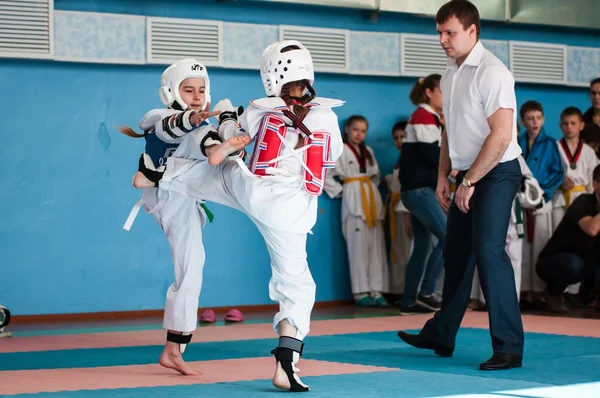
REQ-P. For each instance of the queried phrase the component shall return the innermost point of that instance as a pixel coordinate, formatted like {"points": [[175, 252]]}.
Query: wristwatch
{"points": [[466, 183]]}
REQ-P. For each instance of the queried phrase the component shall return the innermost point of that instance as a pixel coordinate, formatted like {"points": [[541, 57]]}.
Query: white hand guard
{"points": [[228, 111]]}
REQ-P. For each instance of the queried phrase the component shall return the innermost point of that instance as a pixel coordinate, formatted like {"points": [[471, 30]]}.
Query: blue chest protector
{"points": [[159, 150]]}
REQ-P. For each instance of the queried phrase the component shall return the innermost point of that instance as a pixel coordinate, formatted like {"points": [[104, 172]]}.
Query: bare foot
{"points": [[218, 153], [140, 181], [172, 359], [280, 380]]}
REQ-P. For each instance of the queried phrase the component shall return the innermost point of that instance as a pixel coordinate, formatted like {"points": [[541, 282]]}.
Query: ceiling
{"points": [[565, 13]]}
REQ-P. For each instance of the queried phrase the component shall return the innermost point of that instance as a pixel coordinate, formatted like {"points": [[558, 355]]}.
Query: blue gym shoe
{"points": [[366, 301]]}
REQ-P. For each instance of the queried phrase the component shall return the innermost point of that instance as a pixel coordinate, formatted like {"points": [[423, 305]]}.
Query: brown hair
{"points": [[530, 106], [571, 111], [358, 118], [463, 10], [418, 95], [401, 125], [128, 131], [298, 104]]}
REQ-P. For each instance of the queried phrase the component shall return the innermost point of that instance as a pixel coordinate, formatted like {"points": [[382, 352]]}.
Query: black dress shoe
{"points": [[501, 362], [417, 341]]}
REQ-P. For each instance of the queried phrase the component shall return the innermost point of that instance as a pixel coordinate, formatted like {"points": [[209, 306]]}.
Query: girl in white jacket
{"points": [[355, 178]]}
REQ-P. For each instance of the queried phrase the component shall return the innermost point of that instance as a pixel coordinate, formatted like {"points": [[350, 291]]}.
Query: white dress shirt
{"points": [[471, 94]]}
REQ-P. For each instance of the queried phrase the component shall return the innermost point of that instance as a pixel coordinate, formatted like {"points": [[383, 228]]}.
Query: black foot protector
{"points": [[284, 355], [152, 175], [181, 339], [210, 139]]}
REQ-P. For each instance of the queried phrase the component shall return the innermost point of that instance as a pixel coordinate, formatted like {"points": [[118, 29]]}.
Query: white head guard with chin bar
{"points": [[530, 194], [278, 68], [177, 73]]}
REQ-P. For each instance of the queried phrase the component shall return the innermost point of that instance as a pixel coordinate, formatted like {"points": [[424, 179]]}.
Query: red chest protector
{"points": [[317, 158], [269, 146]]}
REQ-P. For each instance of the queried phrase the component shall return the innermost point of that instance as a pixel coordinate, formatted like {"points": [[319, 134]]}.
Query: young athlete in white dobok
{"points": [[356, 179], [579, 161], [297, 138], [185, 90]]}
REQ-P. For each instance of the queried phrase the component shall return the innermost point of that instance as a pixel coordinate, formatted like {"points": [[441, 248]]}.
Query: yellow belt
{"points": [[394, 199], [576, 188], [369, 207]]}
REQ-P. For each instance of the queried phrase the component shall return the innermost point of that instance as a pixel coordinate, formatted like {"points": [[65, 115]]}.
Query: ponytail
{"points": [[418, 94], [128, 131], [298, 104]]}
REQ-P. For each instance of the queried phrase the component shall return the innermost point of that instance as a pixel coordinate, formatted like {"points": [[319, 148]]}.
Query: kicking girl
{"points": [[185, 90], [297, 139]]}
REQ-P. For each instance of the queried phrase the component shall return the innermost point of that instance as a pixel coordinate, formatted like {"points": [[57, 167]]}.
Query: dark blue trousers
{"points": [[479, 237], [560, 270]]}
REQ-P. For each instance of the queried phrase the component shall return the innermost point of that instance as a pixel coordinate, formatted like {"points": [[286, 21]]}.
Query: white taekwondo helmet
{"points": [[175, 74], [278, 68], [531, 194]]}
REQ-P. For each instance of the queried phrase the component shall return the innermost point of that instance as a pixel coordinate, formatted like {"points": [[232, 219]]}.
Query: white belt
{"points": [[133, 214]]}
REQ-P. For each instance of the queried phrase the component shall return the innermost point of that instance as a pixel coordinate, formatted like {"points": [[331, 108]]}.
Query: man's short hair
{"points": [[463, 10]]}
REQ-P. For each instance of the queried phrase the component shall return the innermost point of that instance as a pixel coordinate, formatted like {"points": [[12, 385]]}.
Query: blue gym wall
{"points": [[66, 171]]}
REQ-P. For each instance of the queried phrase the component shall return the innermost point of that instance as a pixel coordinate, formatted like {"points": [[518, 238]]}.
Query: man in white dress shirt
{"points": [[479, 105]]}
